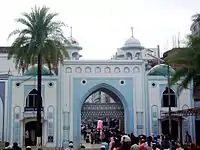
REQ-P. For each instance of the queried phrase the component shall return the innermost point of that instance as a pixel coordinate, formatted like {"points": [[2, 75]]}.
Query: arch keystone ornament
{"points": [[124, 101]]}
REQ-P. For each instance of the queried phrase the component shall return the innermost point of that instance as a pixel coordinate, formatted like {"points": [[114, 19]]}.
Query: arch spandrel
{"points": [[123, 92]]}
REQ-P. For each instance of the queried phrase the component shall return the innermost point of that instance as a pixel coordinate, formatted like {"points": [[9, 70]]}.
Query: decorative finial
{"points": [[70, 31], [131, 31]]}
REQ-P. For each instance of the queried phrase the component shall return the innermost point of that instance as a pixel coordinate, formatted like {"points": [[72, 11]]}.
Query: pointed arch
{"points": [[32, 99], [165, 98]]}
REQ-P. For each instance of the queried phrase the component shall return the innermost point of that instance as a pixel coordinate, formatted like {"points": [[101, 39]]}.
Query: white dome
{"points": [[132, 42], [73, 41]]}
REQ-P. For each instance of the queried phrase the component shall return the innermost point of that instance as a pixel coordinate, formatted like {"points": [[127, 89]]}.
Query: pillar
{"points": [[181, 129]]}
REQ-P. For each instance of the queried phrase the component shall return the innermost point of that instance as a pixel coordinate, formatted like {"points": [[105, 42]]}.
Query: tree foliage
{"points": [[188, 60], [40, 34]]}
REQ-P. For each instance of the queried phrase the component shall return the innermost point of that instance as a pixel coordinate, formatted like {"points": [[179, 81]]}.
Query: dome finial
{"points": [[131, 31], [71, 32]]}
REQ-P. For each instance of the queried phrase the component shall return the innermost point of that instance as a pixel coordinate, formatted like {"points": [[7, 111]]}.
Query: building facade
{"points": [[138, 97]]}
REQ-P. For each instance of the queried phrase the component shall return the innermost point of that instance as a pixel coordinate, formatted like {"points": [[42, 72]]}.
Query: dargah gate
{"points": [[114, 78], [125, 93]]}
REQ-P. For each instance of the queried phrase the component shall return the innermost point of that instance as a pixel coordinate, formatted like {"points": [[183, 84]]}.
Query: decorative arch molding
{"points": [[103, 87], [185, 106], [126, 70], [97, 69], [154, 115], [96, 85], [17, 110], [88, 69], [68, 70], [78, 69], [107, 70], [29, 88], [117, 70], [186, 122], [32, 98], [163, 88], [136, 69], [16, 124], [51, 124]]}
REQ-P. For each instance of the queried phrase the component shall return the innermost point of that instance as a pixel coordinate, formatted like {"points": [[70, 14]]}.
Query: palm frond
{"points": [[40, 35]]}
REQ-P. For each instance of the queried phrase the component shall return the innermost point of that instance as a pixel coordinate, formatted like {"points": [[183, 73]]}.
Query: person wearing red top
{"points": [[142, 146]]}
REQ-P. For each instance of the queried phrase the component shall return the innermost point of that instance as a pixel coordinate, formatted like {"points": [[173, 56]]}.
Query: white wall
{"points": [[6, 65], [50, 98], [1, 118], [155, 98]]}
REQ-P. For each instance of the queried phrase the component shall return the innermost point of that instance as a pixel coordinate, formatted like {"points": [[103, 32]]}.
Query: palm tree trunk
{"points": [[39, 103]]}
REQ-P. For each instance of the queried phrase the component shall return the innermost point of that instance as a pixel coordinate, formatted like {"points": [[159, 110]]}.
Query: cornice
{"points": [[103, 62]]}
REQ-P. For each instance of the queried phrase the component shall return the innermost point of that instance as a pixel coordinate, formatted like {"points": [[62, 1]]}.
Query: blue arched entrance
{"points": [[84, 89], [105, 105]]}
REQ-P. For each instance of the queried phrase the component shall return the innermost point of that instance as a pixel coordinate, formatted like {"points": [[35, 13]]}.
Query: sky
{"points": [[102, 26]]}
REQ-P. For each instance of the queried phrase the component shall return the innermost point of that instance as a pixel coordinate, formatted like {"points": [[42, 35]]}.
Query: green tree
{"points": [[196, 17], [40, 36], [40, 41], [188, 60]]}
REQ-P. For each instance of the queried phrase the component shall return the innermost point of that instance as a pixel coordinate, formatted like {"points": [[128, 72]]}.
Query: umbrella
{"points": [[125, 138]]}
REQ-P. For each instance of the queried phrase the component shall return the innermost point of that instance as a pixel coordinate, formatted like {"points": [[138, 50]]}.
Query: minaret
{"points": [[132, 48], [73, 47]]}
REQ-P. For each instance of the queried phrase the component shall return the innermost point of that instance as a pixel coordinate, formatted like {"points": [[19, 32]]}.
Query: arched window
{"points": [[32, 99], [75, 56], [165, 98], [138, 55], [129, 56]]}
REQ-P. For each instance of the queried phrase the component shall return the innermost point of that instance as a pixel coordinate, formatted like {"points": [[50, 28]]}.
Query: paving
{"points": [[92, 146]]}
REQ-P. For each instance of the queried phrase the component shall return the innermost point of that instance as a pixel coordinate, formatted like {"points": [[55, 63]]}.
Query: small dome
{"points": [[161, 70], [132, 43], [73, 43], [33, 70]]}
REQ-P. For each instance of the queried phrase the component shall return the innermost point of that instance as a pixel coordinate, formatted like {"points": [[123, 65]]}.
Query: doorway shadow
{"points": [[30, 133]]}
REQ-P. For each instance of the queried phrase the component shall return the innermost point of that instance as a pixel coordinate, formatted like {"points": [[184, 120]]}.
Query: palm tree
{"points": [[41, 41], [188, 60], [41, 36]]}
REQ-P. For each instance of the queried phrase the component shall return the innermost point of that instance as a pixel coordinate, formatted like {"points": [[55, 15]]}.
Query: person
{"points": [[154, 147], [16, 147], [105, 144], [27, 138], [111, 144], [135, 147], [103, 147], [7, 146], [28, 148], [179, 147], [149, 145], [188, 138]]}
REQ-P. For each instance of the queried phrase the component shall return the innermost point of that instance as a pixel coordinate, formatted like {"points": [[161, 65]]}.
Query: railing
{"points": [[32, 112], [32, 109]]}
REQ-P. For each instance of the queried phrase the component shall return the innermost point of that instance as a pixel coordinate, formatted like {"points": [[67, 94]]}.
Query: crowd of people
{"points": [[118, 141], [9, 147]]}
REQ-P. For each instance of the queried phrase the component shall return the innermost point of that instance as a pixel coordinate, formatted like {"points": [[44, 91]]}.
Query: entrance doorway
{"points": [[102, 105], [30, 133], [165, 129], [197, 129]]}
